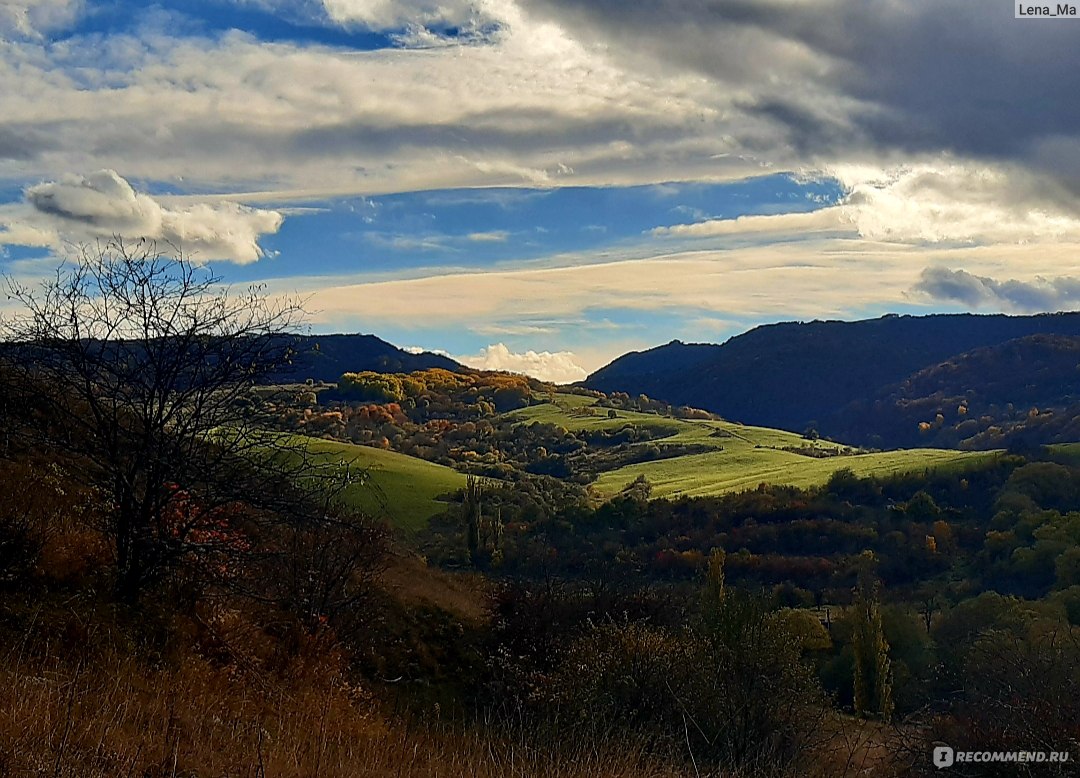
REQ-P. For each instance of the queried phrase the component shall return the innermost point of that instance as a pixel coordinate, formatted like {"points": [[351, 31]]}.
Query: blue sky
{"points": [[541, 185], [410, 232]]}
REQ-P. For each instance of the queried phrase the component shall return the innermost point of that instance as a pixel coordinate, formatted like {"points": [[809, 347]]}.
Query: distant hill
{"points": [[1022, 391], [326, 357], [794, 375]]}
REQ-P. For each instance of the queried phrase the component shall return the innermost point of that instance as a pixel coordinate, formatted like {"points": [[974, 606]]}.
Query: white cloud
{"points": [[953, 202], [397, 14], [823, 220], [817, 278], [557, 367], [77, 209], [494, 236], [930, 202], [101, 199], [422, 350], [31, 18]]}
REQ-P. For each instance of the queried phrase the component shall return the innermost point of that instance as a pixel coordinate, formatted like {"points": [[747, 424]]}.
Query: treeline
{"points": [[1010, 525]]}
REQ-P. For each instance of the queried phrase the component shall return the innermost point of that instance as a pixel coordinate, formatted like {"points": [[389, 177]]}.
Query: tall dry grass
{"points": [[114, 715]]}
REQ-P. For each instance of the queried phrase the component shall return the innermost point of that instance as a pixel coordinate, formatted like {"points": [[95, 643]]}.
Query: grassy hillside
{"points": [[731, 471], [405, 489], [742, 456]]}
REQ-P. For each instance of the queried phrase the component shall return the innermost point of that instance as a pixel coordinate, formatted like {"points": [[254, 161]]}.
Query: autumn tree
{"points": [[136, 365]]}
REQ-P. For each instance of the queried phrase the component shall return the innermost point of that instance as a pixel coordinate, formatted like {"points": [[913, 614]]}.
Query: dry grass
{"points": [[79, 700], [410, 581], [113, 715]]}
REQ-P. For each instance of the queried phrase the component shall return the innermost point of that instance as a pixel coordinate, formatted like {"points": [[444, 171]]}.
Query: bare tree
{"points": [[139, 365]]}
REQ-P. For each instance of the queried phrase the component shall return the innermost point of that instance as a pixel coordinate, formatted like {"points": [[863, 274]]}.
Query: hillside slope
{"points": [[792, 375], [326, 357], [730, 457], [1023, 391], [405, 490]]}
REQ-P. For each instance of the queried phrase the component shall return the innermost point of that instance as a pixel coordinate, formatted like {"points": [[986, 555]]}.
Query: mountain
{"points": [[1025, 390], [794, 375], [326, 357]]}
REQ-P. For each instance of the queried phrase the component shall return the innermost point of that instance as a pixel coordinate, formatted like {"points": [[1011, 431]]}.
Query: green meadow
{"points": [[741, 457], [406, 490]]}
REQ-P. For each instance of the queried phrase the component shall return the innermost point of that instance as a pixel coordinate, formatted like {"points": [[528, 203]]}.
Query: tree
{"points": [[323, 572], [873, 674], [761, 703], [714, 580], [137, 365], [473, 511]]}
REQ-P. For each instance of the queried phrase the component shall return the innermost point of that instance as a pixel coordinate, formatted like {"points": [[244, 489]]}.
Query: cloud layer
{"points": [[843, 76], [427, 14], [932, 202], [568, 92], [33, 18]]}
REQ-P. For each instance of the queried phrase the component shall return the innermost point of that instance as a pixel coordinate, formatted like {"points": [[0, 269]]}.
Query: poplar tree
{"points": [[873, 673]]}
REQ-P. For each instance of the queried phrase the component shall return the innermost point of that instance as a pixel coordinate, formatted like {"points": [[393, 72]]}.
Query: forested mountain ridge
{"points": [[326, 357], [794, 375], [1022, 391]]}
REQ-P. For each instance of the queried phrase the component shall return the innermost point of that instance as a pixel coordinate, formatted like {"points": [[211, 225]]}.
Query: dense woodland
{"points": [[1021, 392], [186, 592]]}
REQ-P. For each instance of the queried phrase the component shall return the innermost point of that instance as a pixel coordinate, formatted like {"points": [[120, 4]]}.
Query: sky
{"points": [[542, 185]]}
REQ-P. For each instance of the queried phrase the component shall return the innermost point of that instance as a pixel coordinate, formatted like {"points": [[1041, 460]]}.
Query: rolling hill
{"points": [[406, 490], [738, 457], [794, 374]]}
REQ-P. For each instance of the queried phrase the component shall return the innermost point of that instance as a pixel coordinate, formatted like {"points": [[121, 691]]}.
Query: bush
{"points": [[733, 691]]}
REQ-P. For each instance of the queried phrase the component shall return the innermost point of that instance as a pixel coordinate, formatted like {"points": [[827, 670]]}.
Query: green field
{"points": [[404, 489], [1066, 453], [743, 456]]}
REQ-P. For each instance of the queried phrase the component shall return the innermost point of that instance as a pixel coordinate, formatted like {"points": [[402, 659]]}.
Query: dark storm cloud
{"points": [[910, 75], [960, 286]]}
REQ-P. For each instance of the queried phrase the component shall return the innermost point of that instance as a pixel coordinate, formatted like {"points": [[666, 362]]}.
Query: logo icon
{"points": [[943, 757]]}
